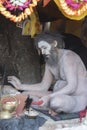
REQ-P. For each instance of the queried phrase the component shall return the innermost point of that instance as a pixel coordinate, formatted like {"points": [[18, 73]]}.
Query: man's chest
{"points": [[58, 72]]}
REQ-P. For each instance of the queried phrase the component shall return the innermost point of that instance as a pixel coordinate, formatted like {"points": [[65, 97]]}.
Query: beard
{"points": [[51, 59]]}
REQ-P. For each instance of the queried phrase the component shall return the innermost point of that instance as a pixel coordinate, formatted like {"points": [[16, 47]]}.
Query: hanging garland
{"points": [[73, 9], [16, 4], [7, 7]]}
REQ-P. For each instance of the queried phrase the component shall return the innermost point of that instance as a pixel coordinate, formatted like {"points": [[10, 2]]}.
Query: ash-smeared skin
{"points": [[66, 67]]}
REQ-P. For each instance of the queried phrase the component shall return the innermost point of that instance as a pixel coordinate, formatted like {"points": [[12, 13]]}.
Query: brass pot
{"points": [[9, 106], [5, 115]]}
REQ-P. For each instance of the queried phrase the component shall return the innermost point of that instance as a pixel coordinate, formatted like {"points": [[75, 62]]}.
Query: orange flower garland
{"points": [[24, 14], [70, 11]]}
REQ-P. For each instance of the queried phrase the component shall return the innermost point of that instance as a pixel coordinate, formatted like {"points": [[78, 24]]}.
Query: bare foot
{"points": [[53, 113]]}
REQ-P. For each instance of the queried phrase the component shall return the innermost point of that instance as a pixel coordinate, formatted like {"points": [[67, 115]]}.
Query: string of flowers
{"points": [[75, 4], [16, 4], [73, 9], [25, 7]]}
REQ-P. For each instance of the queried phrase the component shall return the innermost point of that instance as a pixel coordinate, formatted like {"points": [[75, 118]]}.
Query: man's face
{"points": [[45, 48], [49, 52]]}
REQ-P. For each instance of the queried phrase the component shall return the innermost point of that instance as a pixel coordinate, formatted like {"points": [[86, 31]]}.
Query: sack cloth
{"points": [[21, 123]]}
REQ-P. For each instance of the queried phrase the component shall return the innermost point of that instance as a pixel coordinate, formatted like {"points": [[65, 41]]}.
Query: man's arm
{"points": [[42, 86], [59, 85]]}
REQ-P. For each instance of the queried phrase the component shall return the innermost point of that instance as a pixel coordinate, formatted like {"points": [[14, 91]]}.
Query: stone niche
{"points": [[18, 54]]}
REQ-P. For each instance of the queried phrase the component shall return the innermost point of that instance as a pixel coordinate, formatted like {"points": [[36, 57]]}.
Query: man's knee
{"points": [[62, 103], [56, 103]]}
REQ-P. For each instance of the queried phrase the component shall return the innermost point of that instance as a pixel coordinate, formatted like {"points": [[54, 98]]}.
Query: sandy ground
{"points": [[65, 125]]}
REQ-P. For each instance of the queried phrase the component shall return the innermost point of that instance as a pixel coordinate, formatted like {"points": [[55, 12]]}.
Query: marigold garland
{"points": [[24, 14], [73, 9], [16, 4]]}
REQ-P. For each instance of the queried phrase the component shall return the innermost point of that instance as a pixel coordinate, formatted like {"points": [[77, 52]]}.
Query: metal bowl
{"points": [[31, 113], [5, 115], [9, 106]]}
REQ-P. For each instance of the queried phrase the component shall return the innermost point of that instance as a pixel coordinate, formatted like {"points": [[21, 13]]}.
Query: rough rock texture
{"points": [[18, 55]]}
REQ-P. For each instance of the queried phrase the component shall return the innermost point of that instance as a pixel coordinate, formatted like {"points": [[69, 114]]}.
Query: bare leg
{"points": [[36, 93], [68, 104]]}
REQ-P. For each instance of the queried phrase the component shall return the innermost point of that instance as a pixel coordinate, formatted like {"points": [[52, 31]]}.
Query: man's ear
{"points": [[55, 43]]}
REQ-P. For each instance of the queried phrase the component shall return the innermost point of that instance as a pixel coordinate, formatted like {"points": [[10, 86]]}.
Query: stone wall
{"points": [[18, 55]]}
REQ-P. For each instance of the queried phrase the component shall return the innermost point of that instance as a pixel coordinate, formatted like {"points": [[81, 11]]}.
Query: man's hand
{"points": [[15, 82]]}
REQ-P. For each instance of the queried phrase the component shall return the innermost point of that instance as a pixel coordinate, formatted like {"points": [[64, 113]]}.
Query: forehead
{"points": [[44, 44]]}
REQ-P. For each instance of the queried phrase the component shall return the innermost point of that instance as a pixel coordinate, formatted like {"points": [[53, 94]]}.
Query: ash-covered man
{"points": [[66, 67]]}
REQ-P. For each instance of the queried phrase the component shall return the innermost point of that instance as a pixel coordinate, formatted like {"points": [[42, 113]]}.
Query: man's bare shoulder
{"points": [[69, 56], [68, 53]]}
